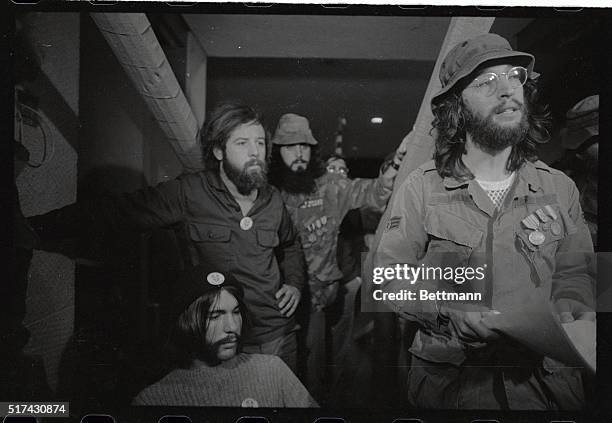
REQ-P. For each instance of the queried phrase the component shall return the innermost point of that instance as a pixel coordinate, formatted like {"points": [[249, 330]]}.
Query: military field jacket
{"points": [[317, 218], [445, 222]]}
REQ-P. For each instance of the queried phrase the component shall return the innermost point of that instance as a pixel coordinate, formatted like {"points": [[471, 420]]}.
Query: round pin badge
{"points": [[555, 228], [249, 403], [537, 238], [246, 223], [215, 278]]}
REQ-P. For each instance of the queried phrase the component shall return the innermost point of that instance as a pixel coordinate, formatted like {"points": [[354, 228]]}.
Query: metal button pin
{"points": [[537, 238], [555, 228], [246, 223]]}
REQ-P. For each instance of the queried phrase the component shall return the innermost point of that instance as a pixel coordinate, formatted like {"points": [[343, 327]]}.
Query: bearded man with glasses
{"points": [[486, 202]]}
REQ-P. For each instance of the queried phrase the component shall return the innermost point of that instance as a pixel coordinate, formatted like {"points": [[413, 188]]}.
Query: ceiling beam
{"points": [[135, 45]]}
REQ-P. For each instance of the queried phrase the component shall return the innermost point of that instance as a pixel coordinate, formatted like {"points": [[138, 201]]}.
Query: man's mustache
{"points": [[299, 161], [514, 103], [255, 162], [230, 339]]}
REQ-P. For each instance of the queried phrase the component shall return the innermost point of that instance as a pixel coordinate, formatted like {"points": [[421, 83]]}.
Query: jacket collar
{"points": [[527, 173], [214, 179]]}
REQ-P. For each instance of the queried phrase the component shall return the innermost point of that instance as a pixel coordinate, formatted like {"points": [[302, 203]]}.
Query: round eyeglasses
{"points": [[487, 82], [340, 170]]}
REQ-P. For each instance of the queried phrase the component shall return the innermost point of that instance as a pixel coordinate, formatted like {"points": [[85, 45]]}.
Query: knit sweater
{"points": [[247, 380]]}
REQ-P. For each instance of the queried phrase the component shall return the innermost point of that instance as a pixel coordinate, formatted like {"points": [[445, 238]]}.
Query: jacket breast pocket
{"points": [[452, 242], [449, 233], [267, 238], [212, 242]]}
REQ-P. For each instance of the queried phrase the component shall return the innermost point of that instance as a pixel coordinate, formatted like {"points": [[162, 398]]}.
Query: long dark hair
{"points": [[449, 126], [281, 176], [223, 119], [189, 335]]}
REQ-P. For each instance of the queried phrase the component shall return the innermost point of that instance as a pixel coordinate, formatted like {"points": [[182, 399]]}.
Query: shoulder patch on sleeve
{"points": [[393, 223]]}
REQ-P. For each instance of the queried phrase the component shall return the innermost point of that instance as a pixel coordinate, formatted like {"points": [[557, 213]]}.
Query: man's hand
{"points": [[569, 310], [390, 168], [403, 147], [288, 299], [468, 325]]}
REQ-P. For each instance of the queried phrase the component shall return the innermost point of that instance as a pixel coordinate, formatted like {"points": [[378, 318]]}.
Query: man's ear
{"points": [[218, 153]]}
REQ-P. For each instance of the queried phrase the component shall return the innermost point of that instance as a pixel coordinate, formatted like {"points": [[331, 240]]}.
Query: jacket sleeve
{"points": [[289, 252], [356, 193], [404, 241], [575, 261], [144, 209]]}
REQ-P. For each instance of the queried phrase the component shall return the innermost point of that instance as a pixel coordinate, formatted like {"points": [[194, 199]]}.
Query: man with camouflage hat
{"points": [[317, 202], [486, 200]]}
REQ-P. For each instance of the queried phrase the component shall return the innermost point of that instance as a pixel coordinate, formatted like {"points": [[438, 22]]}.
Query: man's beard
{"points": [[491, 137], [301, 181], [246, 180]]}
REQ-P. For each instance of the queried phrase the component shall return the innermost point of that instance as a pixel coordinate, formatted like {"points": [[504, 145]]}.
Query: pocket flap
{"points": [[203, 232], [449, 226]]}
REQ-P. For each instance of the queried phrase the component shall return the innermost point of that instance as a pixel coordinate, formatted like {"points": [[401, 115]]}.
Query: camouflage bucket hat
{"points": [[465, 57], [293, 129]]}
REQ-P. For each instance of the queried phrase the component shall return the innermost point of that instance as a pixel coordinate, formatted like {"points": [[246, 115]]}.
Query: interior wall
{"points": [[195, 85], [123, 148], [54, 37], [96, 131]]}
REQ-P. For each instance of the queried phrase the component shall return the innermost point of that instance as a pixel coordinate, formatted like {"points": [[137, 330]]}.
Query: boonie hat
{"points": [[465, 57], [582, 122], [293, 129]]}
